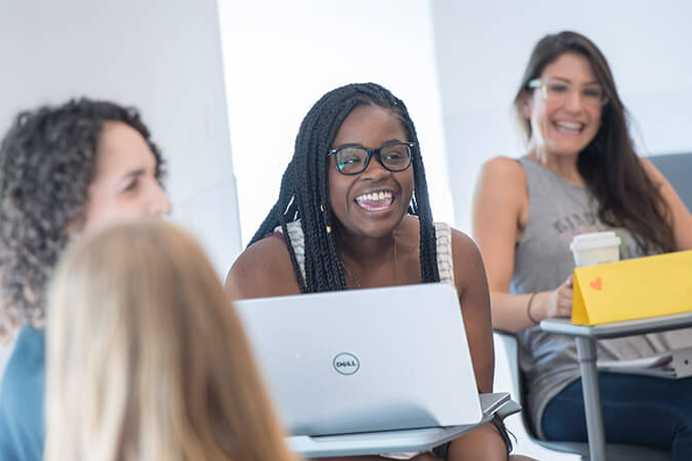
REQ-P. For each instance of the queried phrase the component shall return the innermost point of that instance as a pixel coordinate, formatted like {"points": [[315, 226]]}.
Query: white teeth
{"points": [[572, 126], [375, 196]]}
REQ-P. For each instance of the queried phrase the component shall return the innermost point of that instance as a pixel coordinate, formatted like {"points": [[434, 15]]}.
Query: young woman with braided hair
{"points": [[353, 212]]}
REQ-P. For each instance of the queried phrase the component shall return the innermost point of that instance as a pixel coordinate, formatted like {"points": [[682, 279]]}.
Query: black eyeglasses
{"points": [[353, 159]]}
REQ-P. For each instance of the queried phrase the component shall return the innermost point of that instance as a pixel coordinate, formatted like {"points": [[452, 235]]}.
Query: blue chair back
{"points": [[677, 168]]}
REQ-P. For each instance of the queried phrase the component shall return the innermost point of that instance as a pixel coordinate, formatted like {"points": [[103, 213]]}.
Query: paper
{"points": [[673, 365], [633, 289], [655, 361]]}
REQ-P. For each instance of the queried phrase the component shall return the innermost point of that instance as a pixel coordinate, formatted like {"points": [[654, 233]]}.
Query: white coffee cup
{"points": [[595, 248]]}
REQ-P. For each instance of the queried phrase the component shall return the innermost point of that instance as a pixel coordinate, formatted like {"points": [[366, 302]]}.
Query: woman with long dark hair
{"points": [[580, 174]]}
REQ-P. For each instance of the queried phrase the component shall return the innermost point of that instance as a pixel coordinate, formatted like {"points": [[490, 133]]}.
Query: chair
{"points": [[677, 168], [614, 452]]}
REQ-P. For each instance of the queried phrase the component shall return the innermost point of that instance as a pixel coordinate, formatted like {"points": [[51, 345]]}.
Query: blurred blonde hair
{"points": [[146, 357]]}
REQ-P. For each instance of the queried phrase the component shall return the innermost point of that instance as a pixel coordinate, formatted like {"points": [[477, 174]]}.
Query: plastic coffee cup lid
{"points": [[594, 240]]}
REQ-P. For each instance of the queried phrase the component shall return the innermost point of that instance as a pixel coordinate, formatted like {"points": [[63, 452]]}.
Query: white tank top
{"points": [[443, 235]]}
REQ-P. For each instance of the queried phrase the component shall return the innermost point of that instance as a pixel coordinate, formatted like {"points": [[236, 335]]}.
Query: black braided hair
{"points": [[304, 192]]}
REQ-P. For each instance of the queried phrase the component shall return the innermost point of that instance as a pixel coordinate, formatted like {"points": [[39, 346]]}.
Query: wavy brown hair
{"points": [[612, 170], [147, 359], [47, 161]]}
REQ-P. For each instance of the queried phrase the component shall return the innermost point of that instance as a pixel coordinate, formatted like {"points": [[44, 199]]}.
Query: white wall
{"points": [[482, 48], [163, 56], [282, 56]]}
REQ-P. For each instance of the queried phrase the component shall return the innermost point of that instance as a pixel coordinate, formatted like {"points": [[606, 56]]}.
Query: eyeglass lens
{"points": [[557, 91], [354, 159]]}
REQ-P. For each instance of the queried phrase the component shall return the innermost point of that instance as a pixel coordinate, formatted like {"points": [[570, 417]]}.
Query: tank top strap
{"points": [[445, 260], [297, 240]]}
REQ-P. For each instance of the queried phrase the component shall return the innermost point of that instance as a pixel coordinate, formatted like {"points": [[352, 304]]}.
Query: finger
{"points": [[560, 311], [565, 303], [565, 293], [564, 307]]}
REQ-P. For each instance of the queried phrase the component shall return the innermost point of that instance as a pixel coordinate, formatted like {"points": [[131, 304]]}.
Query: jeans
{"points": [[637, 410]]}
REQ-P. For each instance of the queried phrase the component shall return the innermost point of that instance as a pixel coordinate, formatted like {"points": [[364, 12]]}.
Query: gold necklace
{"points": [[352, 276]]}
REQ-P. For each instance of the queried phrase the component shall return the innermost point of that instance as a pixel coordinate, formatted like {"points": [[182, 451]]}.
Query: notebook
{"points": [[674, 364], [369, 370]]}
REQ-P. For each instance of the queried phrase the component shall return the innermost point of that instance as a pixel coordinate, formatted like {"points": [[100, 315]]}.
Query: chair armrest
{"points": [[509, 408], [502, 332]]}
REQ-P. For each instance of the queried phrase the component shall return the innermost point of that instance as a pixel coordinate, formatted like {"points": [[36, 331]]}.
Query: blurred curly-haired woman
{"points": [[64, 170]]}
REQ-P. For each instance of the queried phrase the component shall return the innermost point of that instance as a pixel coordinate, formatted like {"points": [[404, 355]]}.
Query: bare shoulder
{"points": [[469, 272], [264, 269], [501, 178], [501, 186], [465, 251], [668, 193], [651, 171], [503, 167]]}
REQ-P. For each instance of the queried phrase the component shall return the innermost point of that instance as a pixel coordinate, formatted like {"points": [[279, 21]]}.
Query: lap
{"points": [[639, 410]]}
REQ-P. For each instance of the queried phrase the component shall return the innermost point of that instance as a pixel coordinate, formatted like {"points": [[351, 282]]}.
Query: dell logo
{"points": [[346, 364]]}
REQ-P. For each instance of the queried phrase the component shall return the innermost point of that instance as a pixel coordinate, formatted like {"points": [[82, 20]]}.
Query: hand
{"points": [[559, 301]]}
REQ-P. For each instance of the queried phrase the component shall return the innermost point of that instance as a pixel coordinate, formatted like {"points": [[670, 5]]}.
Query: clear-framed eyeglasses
{"points": [[353, 159], [557, 91]]}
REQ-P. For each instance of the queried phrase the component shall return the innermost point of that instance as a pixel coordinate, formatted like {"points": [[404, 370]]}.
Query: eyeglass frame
{"points": [[539, 83], [377, 153]]}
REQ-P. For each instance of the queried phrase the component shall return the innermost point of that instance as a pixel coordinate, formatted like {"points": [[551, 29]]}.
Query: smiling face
{"points": [[372, 203], [125, 185], [567, 124]]}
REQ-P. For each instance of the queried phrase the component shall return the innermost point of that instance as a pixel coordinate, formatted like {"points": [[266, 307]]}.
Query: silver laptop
{"points": [[366, 363]]}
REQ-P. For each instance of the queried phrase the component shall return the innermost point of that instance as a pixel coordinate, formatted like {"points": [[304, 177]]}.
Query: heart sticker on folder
{"points": [[596, 284]]}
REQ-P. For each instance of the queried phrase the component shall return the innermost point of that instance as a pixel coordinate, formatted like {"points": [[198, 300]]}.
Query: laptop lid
{"points": [[365, 360]]}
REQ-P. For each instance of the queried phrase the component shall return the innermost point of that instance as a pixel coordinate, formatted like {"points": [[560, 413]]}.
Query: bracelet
{"points": [[528, 309]]}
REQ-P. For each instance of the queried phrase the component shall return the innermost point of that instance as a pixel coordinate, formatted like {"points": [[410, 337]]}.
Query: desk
{"points": [[397, 441], [586, 337]]}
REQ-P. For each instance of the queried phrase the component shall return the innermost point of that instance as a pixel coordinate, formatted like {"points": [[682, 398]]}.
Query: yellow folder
{"points": [[633, 289]]}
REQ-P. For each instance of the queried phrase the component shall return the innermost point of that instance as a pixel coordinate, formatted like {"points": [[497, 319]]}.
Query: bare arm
{"points": [[500, 209], [498, 204], [482, 443], [262, 270], [680, 217], [472, 287]]}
